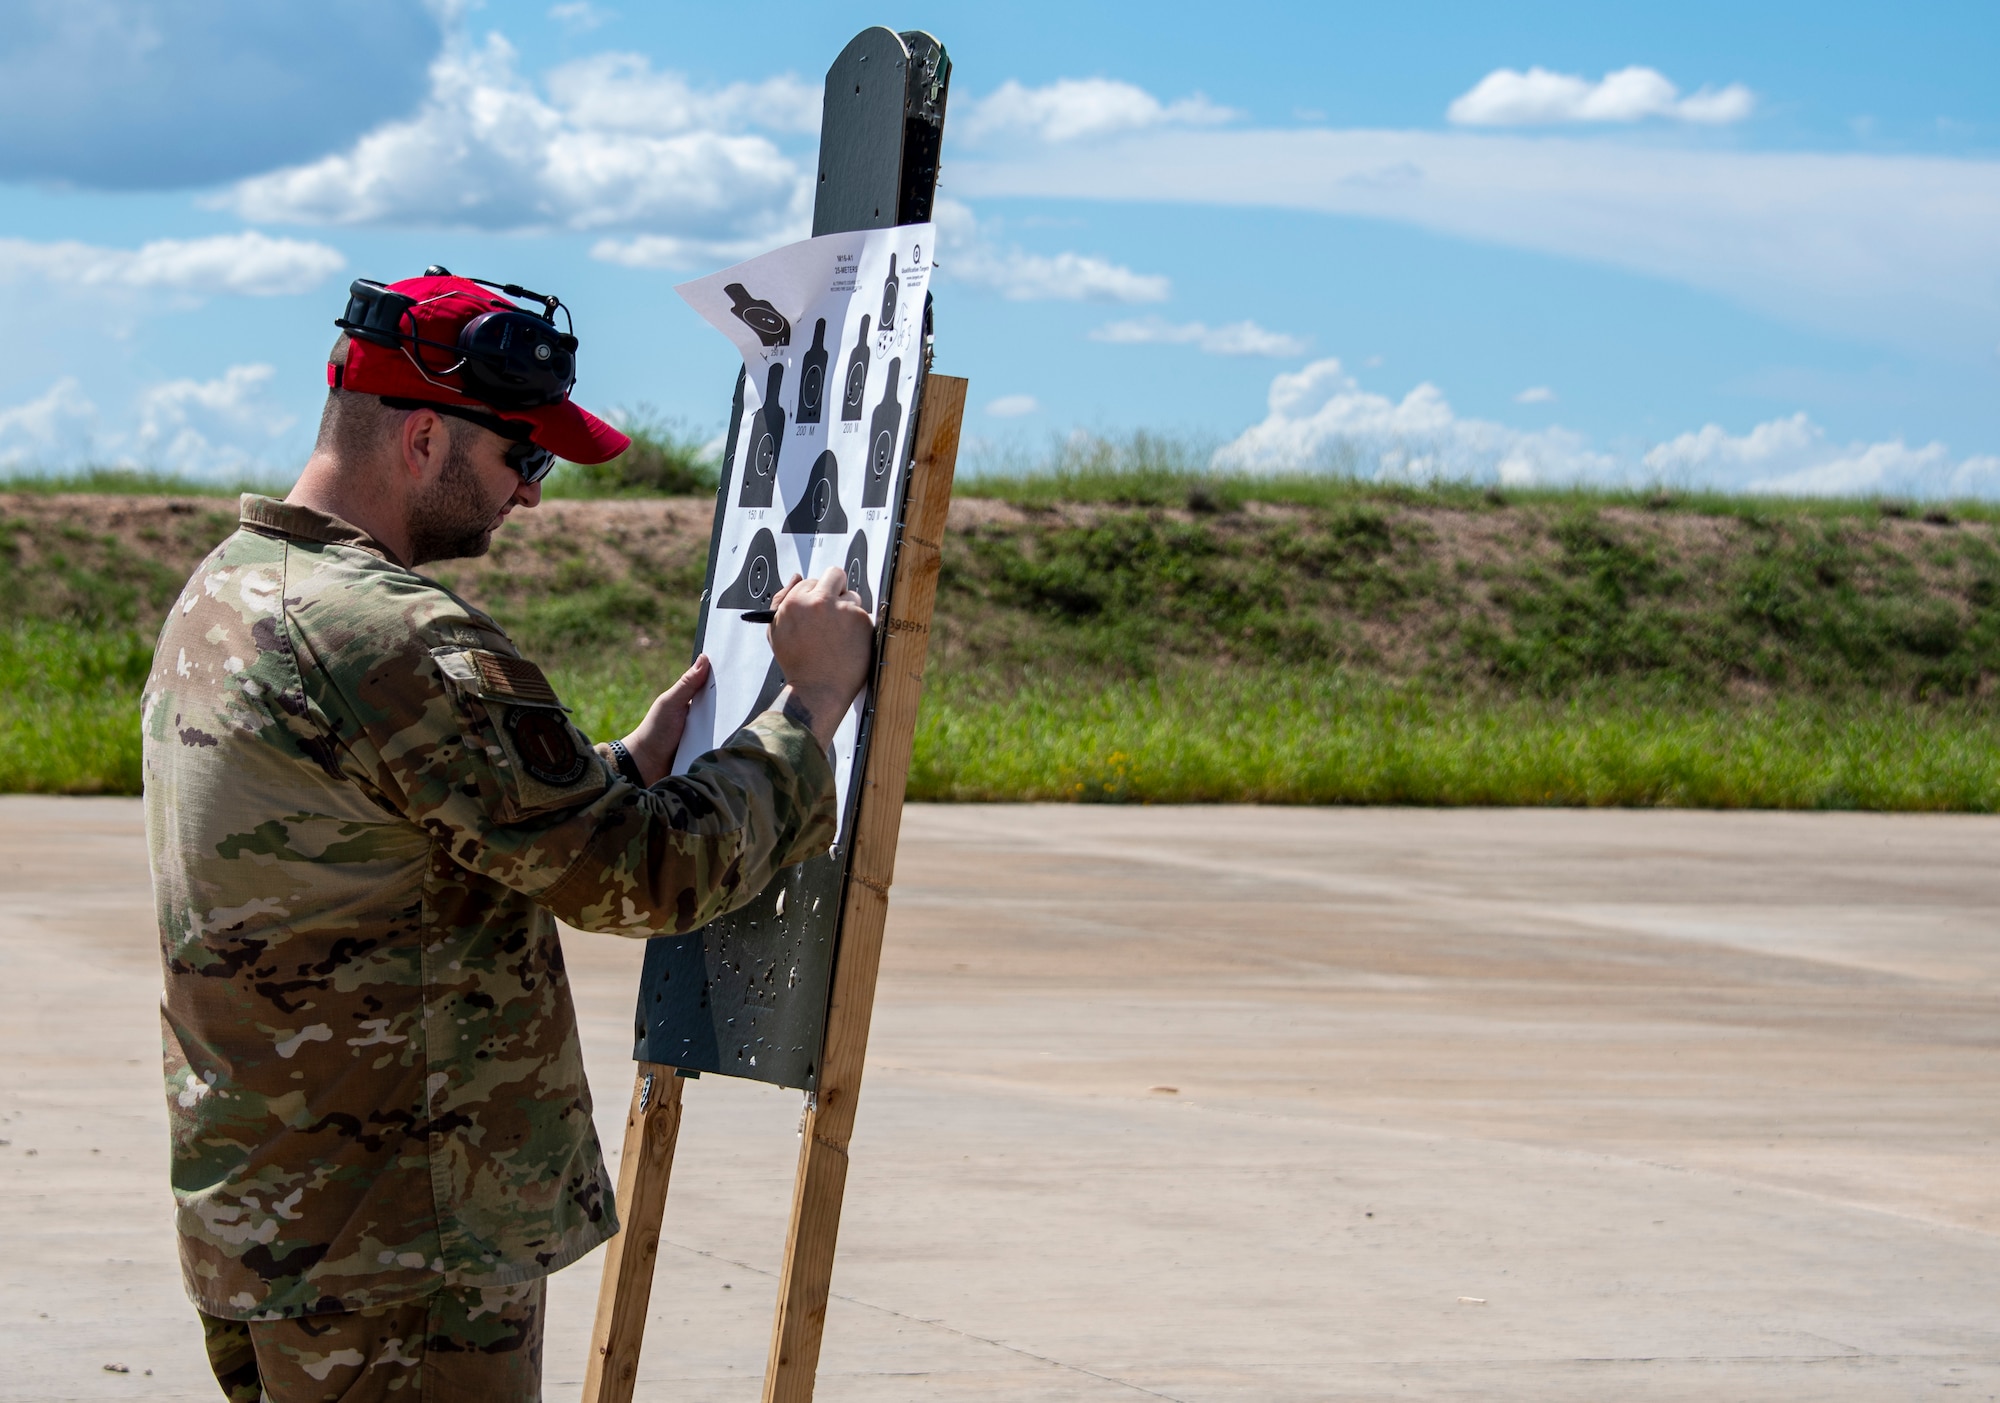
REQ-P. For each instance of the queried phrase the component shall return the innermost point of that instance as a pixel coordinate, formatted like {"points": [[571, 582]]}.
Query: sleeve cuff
{"points": [[783, 735], [619, 761]]}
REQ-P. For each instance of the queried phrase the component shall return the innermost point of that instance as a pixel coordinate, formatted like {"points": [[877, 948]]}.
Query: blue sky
{"points": [[1747, 246]]}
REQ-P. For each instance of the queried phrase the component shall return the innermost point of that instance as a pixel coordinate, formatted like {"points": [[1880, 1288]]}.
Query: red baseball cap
{"points": [[443, 305]]}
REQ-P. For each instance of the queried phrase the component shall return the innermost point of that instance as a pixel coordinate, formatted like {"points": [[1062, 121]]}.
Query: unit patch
{"points": [[542, 738]]}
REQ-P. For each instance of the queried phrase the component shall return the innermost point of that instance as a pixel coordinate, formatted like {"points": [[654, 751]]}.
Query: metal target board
{"points": [[807, 484]]}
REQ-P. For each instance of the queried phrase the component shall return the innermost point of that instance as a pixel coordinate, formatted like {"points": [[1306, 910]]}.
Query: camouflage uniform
{"points": [[365, 809], [457, 1345]]}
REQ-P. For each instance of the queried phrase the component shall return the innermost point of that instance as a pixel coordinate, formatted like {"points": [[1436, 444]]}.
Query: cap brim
{"points": [[573, 432]]}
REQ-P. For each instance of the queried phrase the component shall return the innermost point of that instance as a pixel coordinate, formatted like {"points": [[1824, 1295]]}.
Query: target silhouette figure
{"points": [[767, 432], [889, 288], [856, 566], [760, 316], [882, 431], [774, 683], [819, 511], [812, 377], [857, 378], [757, 581]]}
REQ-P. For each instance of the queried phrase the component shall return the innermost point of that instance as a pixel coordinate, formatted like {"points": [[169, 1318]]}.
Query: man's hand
{"points": [[659, 735], [823, 640]]}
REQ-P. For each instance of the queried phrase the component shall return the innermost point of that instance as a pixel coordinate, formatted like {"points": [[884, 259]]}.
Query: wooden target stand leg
{"points": [[651, 1128], [807, 1276], [805, 1281]]}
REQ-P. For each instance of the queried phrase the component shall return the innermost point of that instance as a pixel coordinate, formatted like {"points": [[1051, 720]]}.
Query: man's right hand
{"points": [[823, 640]]}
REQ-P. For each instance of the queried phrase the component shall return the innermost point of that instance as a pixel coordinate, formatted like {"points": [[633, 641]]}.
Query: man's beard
{"points": [[452, 521]]}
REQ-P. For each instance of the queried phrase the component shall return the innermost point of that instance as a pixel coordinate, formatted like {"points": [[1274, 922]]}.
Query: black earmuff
{"points": [[374, 313], [516, 360], [509, 358]]}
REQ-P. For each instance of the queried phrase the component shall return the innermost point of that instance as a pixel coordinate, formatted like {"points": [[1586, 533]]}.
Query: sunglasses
{"points": [[526, 457]]}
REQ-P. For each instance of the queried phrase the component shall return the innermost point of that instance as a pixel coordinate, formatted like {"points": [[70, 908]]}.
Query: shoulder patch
{"points": [[498, 676], [542, 739]]}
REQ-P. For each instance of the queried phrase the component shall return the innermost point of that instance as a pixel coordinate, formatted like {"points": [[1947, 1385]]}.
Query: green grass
{"points": [[127, 482], [1303, 737], [69, 725], [69, 708], [1541, 599], [1293, 738], [1124, 639], [666, 459]]}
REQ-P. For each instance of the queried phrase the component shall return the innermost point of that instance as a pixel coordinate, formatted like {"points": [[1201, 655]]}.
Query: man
{"points": [[365, 811]]}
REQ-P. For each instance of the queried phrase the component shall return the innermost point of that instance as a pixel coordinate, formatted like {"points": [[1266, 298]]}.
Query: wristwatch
{"points": [[627, 766]]}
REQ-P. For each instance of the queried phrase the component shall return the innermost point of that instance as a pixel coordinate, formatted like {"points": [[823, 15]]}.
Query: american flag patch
{"points": [[514, 678]]}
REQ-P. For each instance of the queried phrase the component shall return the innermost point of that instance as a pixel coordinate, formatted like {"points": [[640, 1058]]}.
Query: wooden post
{"points": [[807, 1275], [651, 1127]]}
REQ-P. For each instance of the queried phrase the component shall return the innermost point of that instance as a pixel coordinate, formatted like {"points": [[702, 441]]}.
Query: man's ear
{"points": [[426, 442]]}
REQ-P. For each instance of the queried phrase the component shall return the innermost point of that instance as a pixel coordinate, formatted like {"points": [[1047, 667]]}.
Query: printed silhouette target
{"points": [[757, 581], [889, 286], [882, 431], [760, 316], [819, 511], [857, 377], [812, 377], [760, 479], [774, 683], [856, 566]]}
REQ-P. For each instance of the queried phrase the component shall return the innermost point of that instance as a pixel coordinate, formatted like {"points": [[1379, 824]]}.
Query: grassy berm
{"points": [[1170, 637]]}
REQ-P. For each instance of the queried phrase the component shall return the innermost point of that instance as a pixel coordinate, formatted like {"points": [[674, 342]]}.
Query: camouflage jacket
{"points": [[365, 811]]}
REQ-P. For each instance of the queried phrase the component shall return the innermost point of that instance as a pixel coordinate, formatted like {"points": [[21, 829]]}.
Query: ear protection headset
{"points": [[510, 359]]}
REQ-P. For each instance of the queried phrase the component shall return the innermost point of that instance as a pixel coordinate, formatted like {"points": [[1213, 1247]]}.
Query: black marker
{"points": [[760, 616]]}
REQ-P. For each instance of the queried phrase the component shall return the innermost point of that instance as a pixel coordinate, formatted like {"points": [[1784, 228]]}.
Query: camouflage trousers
{"points": [[458, 1345]]}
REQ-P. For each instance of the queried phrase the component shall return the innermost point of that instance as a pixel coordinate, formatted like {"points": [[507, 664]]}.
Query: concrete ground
{"points": [[1221, 1105]]}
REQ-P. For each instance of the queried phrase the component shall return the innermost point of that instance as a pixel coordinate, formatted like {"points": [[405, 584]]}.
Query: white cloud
{"points": [[1536, 394], [1071, 109], [1505, 98], [1013, 406], [1895, 249], [614, 146], [1320, 419], [54, 429], [1062, 277], [223, 428], [967, 253], [249, 263], [579, 16], [1794, 456], [209, 428], [666, 251], [619, 92], [1244, 338]]}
